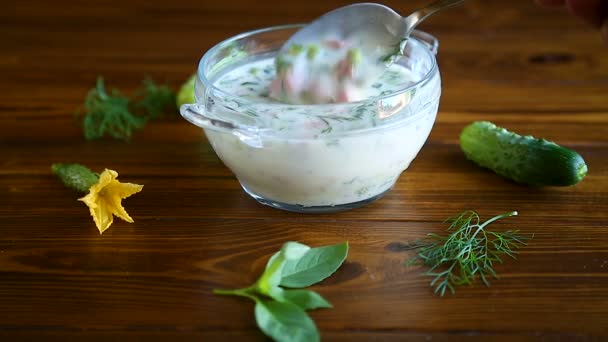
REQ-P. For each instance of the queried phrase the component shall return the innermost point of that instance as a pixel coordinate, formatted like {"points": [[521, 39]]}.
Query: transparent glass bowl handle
{"points": [[197, 115], [431, 42]]}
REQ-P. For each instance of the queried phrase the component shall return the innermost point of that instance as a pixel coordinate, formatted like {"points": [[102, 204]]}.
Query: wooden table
{"points": [[534, 71]]}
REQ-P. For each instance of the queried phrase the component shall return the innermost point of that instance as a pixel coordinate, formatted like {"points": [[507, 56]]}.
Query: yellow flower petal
{"points": [[102, 215], [105, 178], [104, 199], [117, 209], [123, 190]]}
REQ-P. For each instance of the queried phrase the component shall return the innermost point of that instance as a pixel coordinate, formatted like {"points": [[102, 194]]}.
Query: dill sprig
{"points": [[468, 251], [116, 115], [108, 113], [154, 98]]}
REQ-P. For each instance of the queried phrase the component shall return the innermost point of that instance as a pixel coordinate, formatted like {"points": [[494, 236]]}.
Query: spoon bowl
{"points": [[381, 32]]}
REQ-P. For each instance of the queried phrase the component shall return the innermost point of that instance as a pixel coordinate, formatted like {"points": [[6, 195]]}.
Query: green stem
{"points": [[101, 90], [244, 292], [495, 218]]}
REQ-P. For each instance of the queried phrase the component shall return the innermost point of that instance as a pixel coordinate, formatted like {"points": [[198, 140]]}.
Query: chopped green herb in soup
{"points": [[320, 155], [254, 81]]}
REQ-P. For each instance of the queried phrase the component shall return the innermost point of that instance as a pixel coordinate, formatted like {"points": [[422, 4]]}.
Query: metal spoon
{"points": [[380, 28]]}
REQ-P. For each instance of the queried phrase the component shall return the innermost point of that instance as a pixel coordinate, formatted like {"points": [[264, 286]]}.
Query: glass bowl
{"points": [[321, 157]]}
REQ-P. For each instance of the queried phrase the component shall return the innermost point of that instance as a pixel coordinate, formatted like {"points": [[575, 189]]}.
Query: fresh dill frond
{"points": [[119, 116], [109, 114], [470, 250], [154, 98]]}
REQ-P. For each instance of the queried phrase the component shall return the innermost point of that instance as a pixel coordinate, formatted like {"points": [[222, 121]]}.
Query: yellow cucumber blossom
{"points": [[104, 199], [105, 192]]}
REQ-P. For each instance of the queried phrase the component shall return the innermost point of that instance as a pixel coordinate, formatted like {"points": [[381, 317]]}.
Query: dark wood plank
{"points": [[195, 186], [331, 335], [572, 128], [160, 272], [503, 73]]}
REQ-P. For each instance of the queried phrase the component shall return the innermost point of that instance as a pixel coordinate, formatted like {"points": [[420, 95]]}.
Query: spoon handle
{"points": [[417, 17]]}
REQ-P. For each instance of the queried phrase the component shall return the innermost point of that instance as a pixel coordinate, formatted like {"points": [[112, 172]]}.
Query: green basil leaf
{"points": [[305, 299], [273, 273], [314, 266], [294, 250], [272, 259], [285, 322]]}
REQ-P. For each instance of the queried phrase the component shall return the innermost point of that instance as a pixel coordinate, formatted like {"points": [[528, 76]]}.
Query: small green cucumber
{"points": [[524, 159], [75, 176]]}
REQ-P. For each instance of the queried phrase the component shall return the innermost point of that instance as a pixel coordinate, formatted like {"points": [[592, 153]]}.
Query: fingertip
{"points": [[588, 10]]}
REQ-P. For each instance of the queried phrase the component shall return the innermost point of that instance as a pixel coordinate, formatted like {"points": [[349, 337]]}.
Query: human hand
{"points": [[594, 12]]}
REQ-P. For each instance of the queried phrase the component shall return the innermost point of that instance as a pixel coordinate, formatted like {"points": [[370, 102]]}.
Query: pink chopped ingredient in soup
{"points": [[329, 73]]}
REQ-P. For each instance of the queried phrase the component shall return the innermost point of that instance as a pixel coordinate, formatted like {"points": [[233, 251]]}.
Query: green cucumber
{"points": [[75, 176], [524, 159]]}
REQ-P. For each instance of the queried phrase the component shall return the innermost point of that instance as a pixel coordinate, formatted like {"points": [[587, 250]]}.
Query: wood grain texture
{"points": [[534, 71]]}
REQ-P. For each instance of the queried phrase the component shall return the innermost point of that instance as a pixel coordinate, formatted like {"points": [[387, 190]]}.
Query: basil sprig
{"points": [[280, 312]]}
